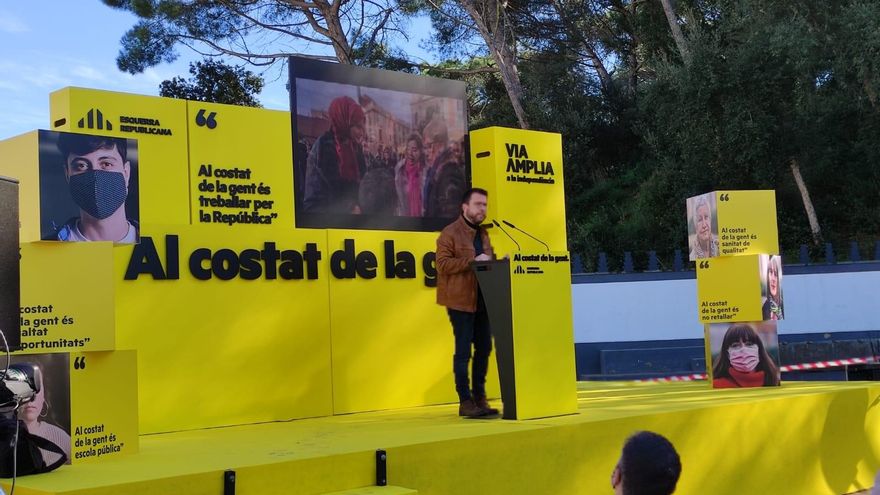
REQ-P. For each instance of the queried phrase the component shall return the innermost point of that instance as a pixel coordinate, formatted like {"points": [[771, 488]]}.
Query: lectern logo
{"points": [[94, 119], [529, 270]]}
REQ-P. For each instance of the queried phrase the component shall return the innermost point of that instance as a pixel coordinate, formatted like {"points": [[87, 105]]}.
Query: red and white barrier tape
{"points": [[819, 365], [828, 364]]}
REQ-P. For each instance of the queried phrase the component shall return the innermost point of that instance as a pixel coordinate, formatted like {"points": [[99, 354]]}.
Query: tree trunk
{"points": [[677, 35], [333, 29], [872, 95], [503, 51], [808, 203], [595, 60]]}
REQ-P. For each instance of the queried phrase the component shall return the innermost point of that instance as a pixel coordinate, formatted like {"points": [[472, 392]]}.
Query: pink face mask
{"points": [[744, 358]]}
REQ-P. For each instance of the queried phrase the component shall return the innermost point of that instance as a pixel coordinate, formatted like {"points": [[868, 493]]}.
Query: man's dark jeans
{"points": [[470, 329]]}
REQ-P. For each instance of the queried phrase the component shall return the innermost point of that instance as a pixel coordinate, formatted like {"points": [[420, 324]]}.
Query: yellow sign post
{"points": [[733, 240], [522, 170], [529, 298]]}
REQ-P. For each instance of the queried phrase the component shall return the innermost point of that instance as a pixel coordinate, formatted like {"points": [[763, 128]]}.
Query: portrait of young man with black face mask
{"points": [[98, 175]]}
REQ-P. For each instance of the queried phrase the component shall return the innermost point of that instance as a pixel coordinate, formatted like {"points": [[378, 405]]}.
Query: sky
{"points": [[46, 45]]}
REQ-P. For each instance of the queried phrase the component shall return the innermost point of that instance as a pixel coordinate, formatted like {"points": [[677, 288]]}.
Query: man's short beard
{"points": [[473, 220]]}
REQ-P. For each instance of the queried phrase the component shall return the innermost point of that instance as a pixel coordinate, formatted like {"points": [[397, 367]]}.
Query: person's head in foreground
{"points": [[648, 465]]}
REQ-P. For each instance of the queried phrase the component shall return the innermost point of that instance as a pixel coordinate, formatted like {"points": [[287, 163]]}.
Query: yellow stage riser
{"points": [[799, 439], [819, 457]]}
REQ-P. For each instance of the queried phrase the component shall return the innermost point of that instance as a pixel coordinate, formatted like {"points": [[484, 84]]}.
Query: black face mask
{"points": [[98, 193]]}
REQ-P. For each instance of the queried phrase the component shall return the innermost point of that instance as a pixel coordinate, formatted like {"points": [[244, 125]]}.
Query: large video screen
{"points": [[376, 149]]}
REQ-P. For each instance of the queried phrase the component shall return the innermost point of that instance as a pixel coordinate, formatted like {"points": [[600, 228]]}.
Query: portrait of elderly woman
{"points": [[702, 226]]}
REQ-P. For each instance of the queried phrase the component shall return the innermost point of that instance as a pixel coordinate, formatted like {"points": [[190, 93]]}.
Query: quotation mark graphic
{"points": [[724, 197], [704, 264], [201, 121], [79, 363]]}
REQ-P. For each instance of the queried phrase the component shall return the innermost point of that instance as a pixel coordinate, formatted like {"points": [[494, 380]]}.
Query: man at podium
{"points": [[460, 243]]}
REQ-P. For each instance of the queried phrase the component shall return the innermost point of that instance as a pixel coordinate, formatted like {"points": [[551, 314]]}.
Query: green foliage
{"points": [[215, 82], [768, 84], [163, 24]]}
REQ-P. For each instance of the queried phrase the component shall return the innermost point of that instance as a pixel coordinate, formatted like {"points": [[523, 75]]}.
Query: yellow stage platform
{"points": [[800, 439]]}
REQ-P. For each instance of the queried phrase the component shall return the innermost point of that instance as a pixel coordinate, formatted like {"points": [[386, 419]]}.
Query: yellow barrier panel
{"points": [[67, 297], [240, 165], [747, 222], [392, 344], [729, 289], [236, 324], [103, 405]]}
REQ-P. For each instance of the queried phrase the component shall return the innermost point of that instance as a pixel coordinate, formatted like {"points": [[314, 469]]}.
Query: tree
{"points": [[656, 100], [214, 81], [771, 102], [476, 28], [675, 29], [259, 32]]}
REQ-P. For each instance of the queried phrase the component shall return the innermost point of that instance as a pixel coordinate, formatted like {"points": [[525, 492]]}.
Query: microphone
{"points": [[505, 233], [526, 233]]}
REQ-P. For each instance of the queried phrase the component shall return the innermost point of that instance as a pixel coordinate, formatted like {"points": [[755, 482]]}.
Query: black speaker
{"points": [[10, 291]]}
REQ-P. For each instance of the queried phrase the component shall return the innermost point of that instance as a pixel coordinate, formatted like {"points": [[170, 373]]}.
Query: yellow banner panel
{"points": [[160, 127], [238, 325], [67, 297], [543, 335], [732, 223], [729, 289], [747, 223], [522, 170], [19, 159], [392, 344], [240, 166], [103, 405]]}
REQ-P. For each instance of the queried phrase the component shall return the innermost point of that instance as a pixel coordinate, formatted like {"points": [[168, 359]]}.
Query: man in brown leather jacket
{"points": [[460, 243]]}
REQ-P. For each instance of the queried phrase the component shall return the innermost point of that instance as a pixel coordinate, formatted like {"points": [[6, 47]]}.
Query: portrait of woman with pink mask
{"points": [[772, 308], [743, 360], [34, 415], [704, 240]]}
